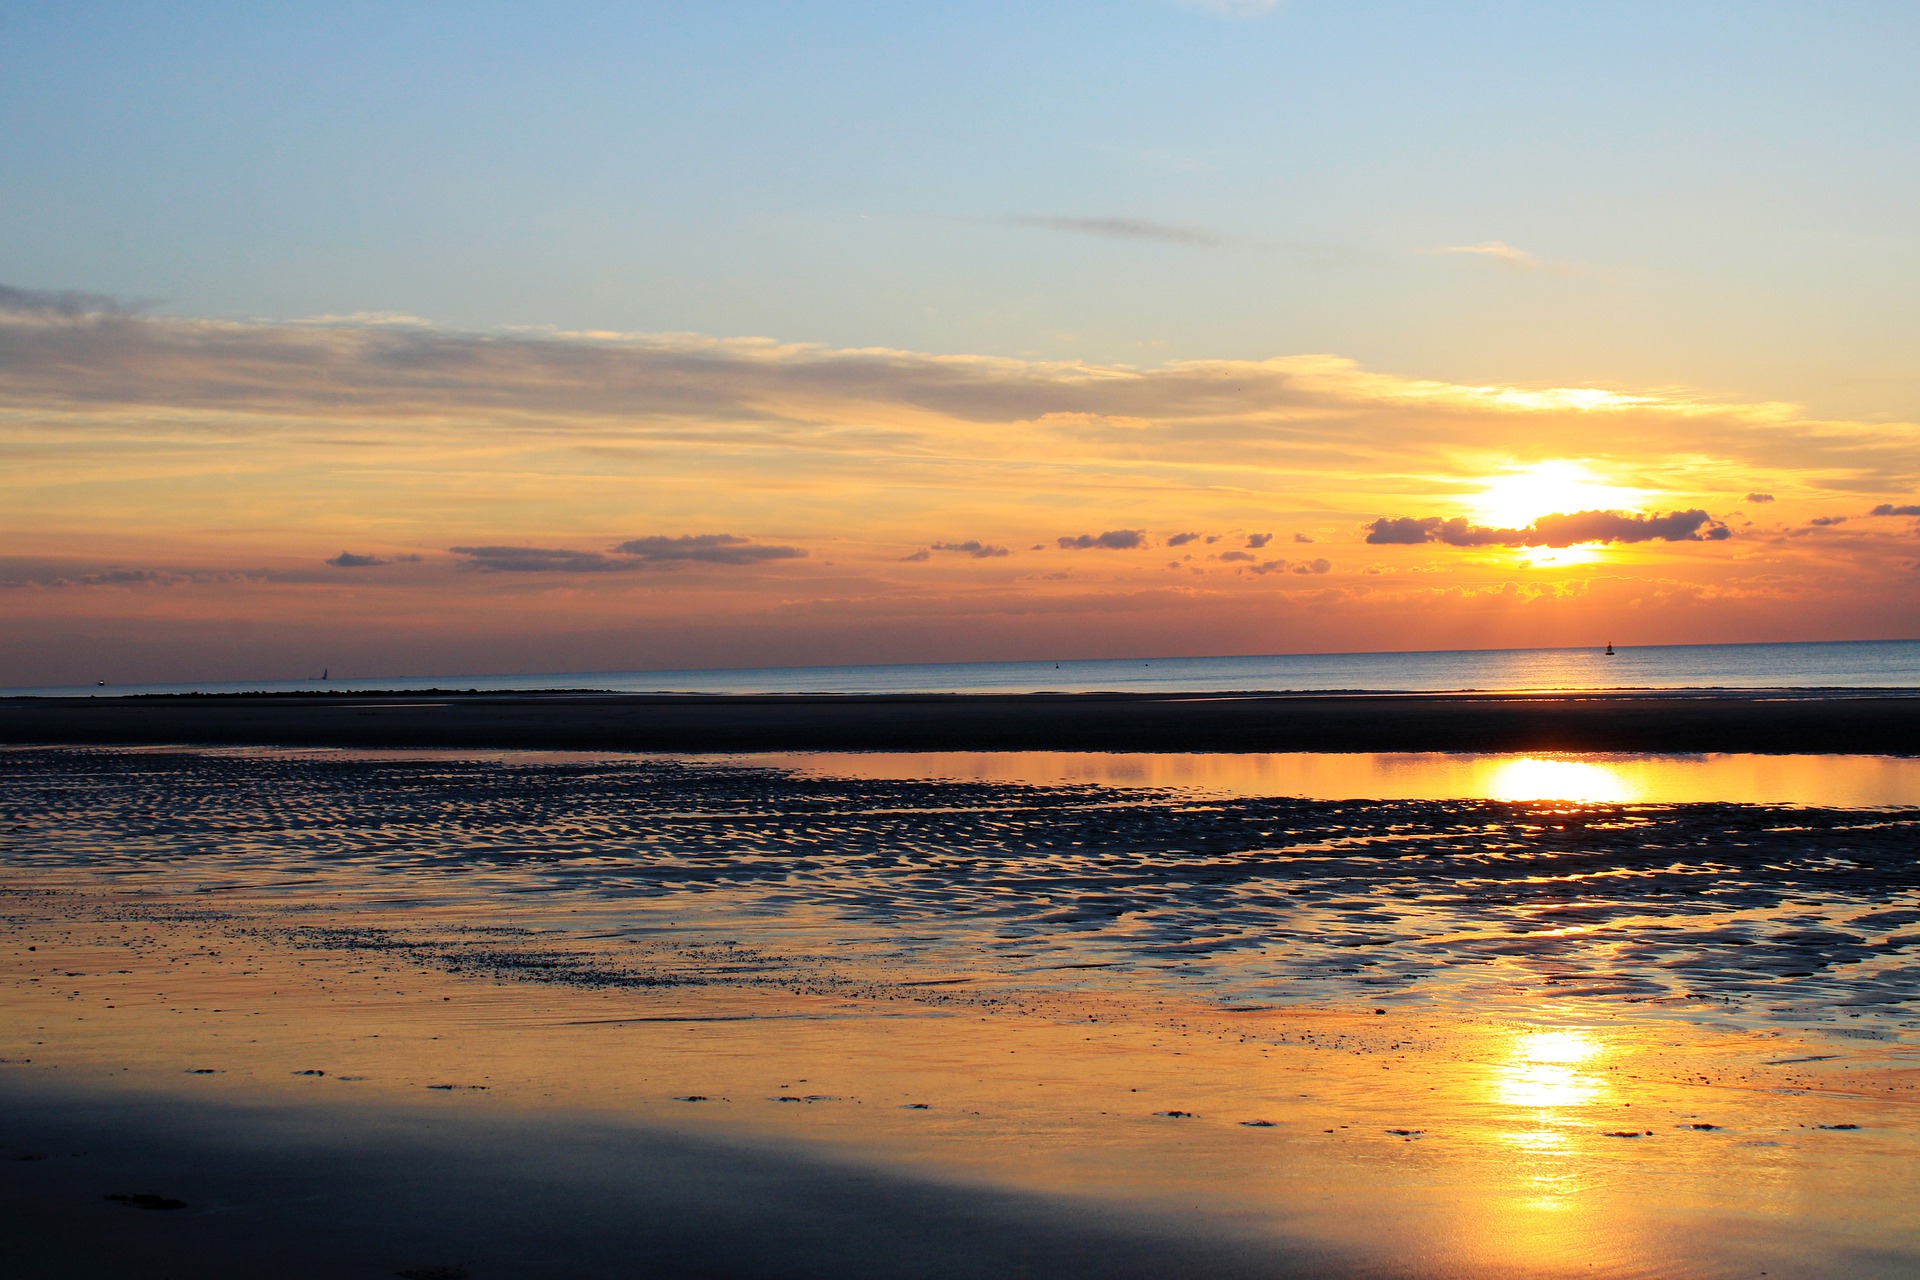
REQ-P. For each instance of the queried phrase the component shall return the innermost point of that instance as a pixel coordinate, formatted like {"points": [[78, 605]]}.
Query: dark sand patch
{"points": [[1665, 721]]}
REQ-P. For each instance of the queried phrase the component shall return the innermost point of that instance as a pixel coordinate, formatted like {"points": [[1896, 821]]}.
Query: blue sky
{"points": [[1716, 196]]}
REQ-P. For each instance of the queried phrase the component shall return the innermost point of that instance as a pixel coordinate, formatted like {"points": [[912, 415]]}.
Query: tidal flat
{"points": [[440, 1014]]}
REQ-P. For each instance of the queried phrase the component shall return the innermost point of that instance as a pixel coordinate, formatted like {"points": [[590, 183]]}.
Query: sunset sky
{"points": [[445, 338]]}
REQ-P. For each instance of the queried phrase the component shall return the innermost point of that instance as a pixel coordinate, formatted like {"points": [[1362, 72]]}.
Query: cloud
{"points": [[1551, 531], [499, 559], [1182, 539], [1234, 8], [1126, 229], [348, 560], [637, 553], [1498, 251], [1822, 522], [918, 557], [1301, 537], [1888, 509], [382, 386], [1305, 568], [64, 303], [19, 572], [972, 547], [1111, 540], [1759, 497], [1237, 555], [705, 548], [1258, 540]]}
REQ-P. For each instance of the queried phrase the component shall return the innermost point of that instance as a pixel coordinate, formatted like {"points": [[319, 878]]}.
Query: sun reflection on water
{"points": [[1543, 1072], [1532, 778], [1544, 1075]]}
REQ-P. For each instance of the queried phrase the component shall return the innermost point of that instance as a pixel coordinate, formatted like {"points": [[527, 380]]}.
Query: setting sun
{"points": [[1521, 496]]}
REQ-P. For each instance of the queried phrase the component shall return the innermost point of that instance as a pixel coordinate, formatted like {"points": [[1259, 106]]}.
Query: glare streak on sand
{"points": [[1509, 1037]]}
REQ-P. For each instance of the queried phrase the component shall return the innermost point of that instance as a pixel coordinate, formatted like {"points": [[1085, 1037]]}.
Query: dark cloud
{"points": [[1301, 537], [705, 548], [1111, 540], [1238, 555], [1126, 229], [1888, 509], [1393, 531], [1257, 540], [1551, 531], [64, 303], [918, 557], [348, 560], [972, 547], [1759, 497], [1182, 539], [1822, 522]]}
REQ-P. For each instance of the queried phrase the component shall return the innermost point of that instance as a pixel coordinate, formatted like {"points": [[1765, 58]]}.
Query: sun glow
{"points": [[1521, 496]]}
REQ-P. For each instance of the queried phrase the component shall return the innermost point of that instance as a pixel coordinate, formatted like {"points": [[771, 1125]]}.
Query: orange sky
{"points": [[175, 489]]}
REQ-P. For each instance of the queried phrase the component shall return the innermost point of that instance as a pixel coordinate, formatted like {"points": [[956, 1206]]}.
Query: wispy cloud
{"points": [[1498, 251], [637, 553], [1127, 229], [1234, 8], [392, 387], [705, 548]]}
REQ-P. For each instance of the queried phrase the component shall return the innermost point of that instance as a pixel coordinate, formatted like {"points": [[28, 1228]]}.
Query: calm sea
{"points": [[1835, 665]]}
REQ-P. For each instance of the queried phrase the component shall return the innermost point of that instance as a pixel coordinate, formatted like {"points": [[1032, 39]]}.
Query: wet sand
{"points": [[526, 1018], [1879, 722]]}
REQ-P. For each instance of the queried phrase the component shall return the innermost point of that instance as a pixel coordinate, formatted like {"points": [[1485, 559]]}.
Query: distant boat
{"points": [[1609, 652], [325, 670]]}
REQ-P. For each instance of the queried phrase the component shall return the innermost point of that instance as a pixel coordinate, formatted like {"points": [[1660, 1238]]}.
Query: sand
{"points": [[542, 1017], [1665, 721]]}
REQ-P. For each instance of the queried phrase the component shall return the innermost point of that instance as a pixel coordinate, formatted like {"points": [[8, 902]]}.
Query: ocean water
{"points": [[1865, 664]]}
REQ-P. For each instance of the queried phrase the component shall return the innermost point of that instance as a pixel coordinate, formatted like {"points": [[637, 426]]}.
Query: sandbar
{"points": [[1798, 722]]}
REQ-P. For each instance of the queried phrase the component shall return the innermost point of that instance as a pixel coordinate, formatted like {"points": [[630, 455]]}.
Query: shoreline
{"points": [[1768, 722]]}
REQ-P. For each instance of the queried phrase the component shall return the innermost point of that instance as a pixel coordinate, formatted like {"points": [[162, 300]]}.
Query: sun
{"points": [[1522, 495]]}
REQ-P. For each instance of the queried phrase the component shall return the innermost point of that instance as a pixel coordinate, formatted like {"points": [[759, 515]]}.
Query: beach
{"points": [[444, 1013]]}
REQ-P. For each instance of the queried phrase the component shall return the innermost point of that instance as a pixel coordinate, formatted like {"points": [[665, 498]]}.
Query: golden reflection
{"points": [[1542, 1072], [1530, 778], [1546, 1073], [1845, 781]]}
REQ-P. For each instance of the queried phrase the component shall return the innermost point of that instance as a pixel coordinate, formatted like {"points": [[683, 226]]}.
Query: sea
{"points": [[1862, 664]]}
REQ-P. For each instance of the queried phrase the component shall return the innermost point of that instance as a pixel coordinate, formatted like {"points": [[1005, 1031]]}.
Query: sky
{"points": [[416, 339]]}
